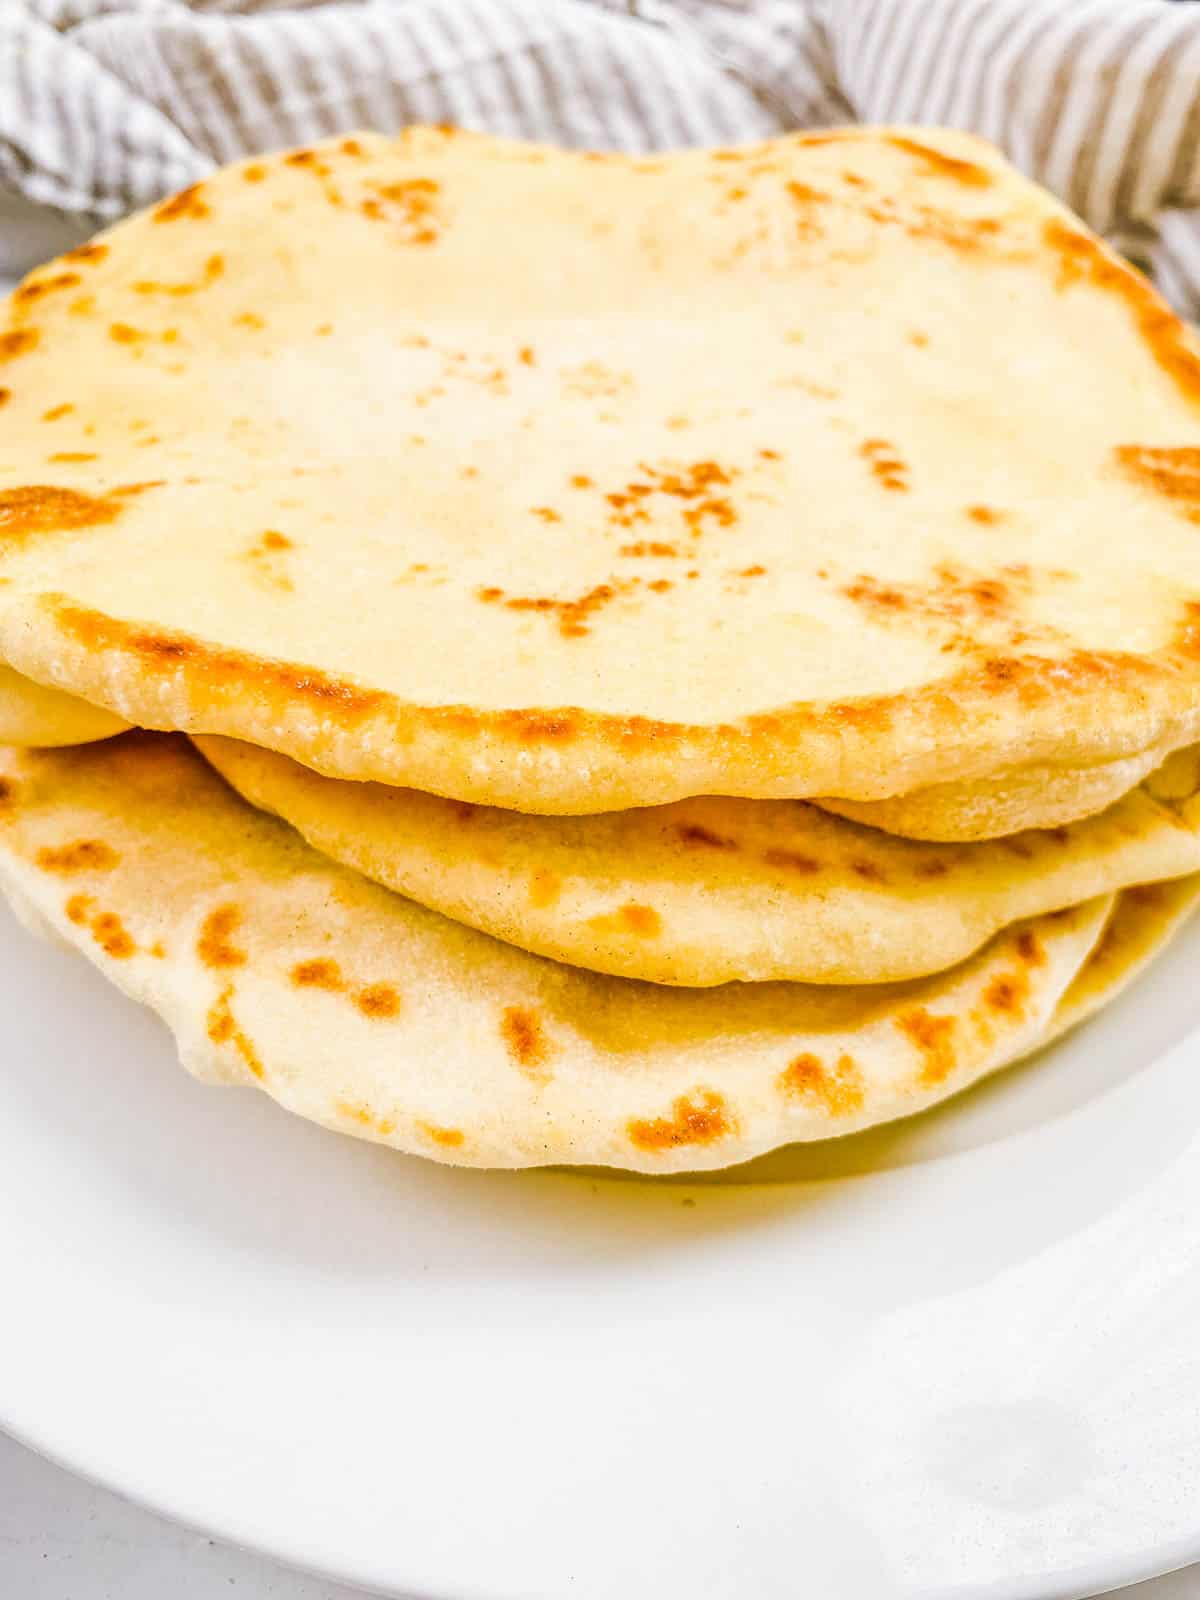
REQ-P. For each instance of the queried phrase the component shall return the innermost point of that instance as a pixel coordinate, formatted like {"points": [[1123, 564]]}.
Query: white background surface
{"points": [[60, 1539]]}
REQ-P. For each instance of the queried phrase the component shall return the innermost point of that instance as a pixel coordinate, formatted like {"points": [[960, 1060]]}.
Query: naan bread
{"points": [[33, 714], [1043, 796], [1035, 796], [1026, 797], [845, 464], [360, 1010], [708, 890], [1144, 921]]}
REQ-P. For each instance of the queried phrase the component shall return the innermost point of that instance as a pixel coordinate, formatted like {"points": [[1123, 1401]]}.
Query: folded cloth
{"points": [[106, 105]]}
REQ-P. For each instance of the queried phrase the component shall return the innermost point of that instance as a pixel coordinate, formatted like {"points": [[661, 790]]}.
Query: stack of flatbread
{"points": [[534, 658]]}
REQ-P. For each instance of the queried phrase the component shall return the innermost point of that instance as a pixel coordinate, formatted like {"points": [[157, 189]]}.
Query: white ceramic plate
{"points": [[958, 1357]]}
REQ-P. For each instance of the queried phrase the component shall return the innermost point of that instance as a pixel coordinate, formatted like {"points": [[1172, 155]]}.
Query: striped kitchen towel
{"points": [[105, 105]]}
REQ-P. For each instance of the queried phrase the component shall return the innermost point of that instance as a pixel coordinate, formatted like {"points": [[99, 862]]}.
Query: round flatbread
{"points": [[573, 483], [34, 714], [363, 1011], [708, 890], [1144, 921], [1009, 802], [1035, 796]]}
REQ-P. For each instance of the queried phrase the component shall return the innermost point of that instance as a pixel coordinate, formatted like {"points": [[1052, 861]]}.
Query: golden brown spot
{"points": [[213, 945], [643, 921], [107, 928], [916, 337], [970, 235], [691, 833], [411, 202], [649, 547], [1000, 671], [87, 252], [1030, 948], [984, 514], [57, 411], [248, 319], [526, 356], [660, 586], [45, 508], [699, 1120], [581, 481], [1174, 473], [933, 867], [933, 1037], [378, 1000], [450, 1137], [365, 1117], [573, 616], [126, 489], [869, 871], [77, 908], [110, 934], [1007, 993], [267, 572], [8, 794], [122, 333], [17, 342], [886, 464], [37, 288], [85, 855], [317, 975], [792, 861], [255, 172], [970, 603], [838, 1090], [72, 455], [5, 396], [694, 484], [351, 147], [223, 1029], [942, 165], [547, 513], [756, 571], [806, 199], [544, 887], [521, 1030], [158, 950], [225, 668], [188, 202]]}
